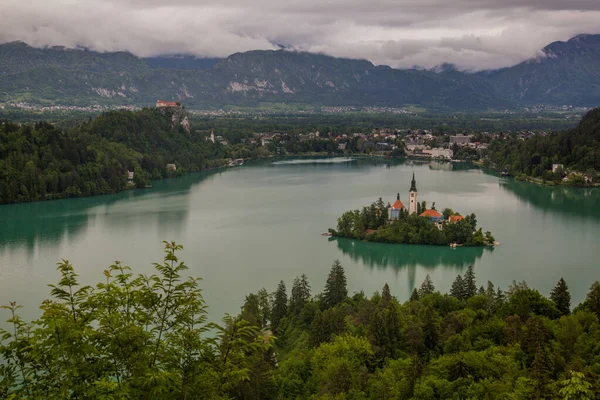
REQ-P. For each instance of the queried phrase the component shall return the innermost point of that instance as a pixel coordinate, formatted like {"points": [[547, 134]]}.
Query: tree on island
{"points": [[335, 288]]}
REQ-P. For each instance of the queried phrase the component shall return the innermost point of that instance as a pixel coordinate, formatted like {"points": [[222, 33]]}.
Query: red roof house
{"points": [[431, 214], [455, 218], [162, 103]]}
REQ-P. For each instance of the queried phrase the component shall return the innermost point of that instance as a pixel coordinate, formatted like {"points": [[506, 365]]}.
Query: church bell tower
{"points": [[412, 197]]}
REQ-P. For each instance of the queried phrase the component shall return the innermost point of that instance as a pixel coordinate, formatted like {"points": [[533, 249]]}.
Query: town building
{"points": [[395, 209], [557, 167], [439, 153], [455, 218], [130, 175], [171, 167], [460, 139], [412, 196]]}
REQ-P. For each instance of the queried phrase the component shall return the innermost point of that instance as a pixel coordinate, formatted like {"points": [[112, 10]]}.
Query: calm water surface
{"points": [[252, 226]]}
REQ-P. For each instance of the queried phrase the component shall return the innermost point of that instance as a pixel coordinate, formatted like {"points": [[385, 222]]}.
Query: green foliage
{"points": [[148, 337], [576, 387], [128, 337], [576, 149]]}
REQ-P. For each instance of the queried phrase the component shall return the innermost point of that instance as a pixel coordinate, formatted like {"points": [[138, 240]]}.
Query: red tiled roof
{"points": [[456, 218], [369, 231], [398, 205], [167, 103], [431, 214]]}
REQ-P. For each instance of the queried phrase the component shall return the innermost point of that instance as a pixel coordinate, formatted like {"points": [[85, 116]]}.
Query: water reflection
{"points": [[50, 222], [581, 202], [411, 257]]}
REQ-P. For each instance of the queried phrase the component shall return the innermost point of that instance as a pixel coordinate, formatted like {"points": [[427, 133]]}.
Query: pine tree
{"points": [[279, 307], [386, 296], [414, 295], [427, 287], [264, 306], [490, 290], [500, 298], [469, 282], [481, 290], [300, 294], [335, 288], [593, 299], [541, 371], [458, 288], [561, 297]]}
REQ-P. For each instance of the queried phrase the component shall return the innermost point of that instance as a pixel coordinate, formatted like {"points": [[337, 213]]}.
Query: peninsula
{"points": [[413, 225]]}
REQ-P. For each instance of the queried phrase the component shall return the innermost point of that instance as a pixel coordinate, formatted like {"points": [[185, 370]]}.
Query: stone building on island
{"points": [[395, 210]]}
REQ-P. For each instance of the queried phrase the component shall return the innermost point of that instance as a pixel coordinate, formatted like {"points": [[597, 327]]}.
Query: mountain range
{"points": [[566, 73]]}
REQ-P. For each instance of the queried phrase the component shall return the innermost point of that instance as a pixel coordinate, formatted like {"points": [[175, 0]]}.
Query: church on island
{"points": [[395, 209]]}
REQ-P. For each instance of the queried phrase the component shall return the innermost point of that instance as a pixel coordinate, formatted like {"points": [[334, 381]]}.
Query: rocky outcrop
{"points": [[179, 117]]}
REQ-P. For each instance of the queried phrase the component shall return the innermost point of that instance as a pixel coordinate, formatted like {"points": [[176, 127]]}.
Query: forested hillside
{"points": [[39, 161], [577, 149], [145, 337]]}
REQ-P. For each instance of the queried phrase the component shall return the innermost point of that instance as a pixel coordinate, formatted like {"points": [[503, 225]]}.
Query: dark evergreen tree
{"points": [[335, 288], [431, 328], [592, 300], [414, 295], [481, 290], [490, 293], [386, 296], [469, 283], [458, 288], [300, 295], [427, 287], [561, 297], [279, 307], [541, 370], [500, 298]]}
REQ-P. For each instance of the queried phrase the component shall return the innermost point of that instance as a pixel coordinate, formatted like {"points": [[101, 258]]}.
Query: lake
{"points": [[250, 227]]}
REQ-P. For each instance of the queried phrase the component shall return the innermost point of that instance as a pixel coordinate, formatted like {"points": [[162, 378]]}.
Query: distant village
{"points": [[407, 142]]}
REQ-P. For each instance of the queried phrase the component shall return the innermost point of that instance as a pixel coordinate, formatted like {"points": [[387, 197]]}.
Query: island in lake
{"points": [[413, 225]]}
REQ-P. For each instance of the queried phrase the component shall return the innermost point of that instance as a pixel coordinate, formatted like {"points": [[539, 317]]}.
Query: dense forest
{"points": [[39, 161], [371, 224], [577, 149], [147, 337]]}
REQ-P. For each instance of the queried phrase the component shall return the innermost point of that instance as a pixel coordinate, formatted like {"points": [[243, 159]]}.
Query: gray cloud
{"points": [[473, 34]]}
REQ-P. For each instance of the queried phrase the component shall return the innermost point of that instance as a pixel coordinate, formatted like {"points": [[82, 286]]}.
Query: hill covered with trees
{"points": [[577, 149], [140, 337], [39, 161]]}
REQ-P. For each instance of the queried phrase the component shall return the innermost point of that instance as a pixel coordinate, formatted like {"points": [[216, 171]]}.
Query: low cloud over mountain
{"points": [[472, 34]]}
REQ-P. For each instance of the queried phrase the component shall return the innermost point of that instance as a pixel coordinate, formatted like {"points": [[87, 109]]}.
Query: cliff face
{"points": [[179, 117]]}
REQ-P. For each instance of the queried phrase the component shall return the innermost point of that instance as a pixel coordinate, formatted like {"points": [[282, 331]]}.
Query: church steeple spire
{"points": [[413, 184], [398, 196]]}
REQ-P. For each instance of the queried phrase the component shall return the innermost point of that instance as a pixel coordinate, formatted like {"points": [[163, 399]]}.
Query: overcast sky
{"points": [[473, 34]]}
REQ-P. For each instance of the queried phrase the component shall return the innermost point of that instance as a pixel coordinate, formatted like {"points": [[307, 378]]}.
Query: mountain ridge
{"points": [[566, 74]]}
